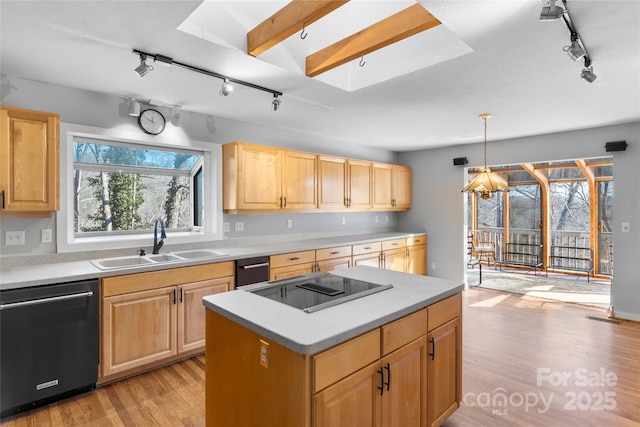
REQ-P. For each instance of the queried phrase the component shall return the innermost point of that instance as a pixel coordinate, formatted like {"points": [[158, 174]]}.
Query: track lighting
{"points": [[551, 12], [276, 102], [575, 51], [226, 88], [143, 68], [587, 72], [134, 108]]}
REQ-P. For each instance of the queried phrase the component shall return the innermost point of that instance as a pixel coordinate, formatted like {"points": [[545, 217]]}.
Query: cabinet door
{"points": [[332, 178], [405, 396], [191, 312], [299, 180], [444, 369], [333, 264], [372, 260], [359, 188], [29, 160], [259, 177], [401, 197], [394, 259], [382, 186], [417, 259], [291, 271], [351, 402], [138, 328]]}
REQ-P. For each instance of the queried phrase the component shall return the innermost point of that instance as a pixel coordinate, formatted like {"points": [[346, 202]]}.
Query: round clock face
{"points": [[151, 121]]}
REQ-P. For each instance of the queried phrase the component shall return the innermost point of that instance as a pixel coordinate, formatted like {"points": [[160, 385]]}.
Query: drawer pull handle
{"points": [[250, 266], [295, 258], [394, 244], [335, 252], [368, 247]]}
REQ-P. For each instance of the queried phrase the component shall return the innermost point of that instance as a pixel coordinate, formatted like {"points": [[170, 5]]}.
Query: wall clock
{"points": [[151, 121]]}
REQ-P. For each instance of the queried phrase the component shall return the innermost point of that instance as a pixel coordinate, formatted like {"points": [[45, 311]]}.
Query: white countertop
{"points": [[309, 333], [44, 274]]}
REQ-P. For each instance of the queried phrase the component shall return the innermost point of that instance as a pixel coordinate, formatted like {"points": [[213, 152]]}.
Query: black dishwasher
{"points": [[48, 344], [252, 270]]}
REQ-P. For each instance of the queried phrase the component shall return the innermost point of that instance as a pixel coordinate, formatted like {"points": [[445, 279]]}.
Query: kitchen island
{"points": [[390, 358]]}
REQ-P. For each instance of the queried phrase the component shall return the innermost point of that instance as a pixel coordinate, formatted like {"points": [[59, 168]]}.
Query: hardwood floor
{"points": [[546, 361]]}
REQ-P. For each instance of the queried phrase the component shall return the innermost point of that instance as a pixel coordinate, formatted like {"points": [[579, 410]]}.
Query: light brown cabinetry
{"points": [[394, 255], [259, 178], [383, 377], [391, 187], [417, 255], [367, 254], [29, 162], [152, 317], [291, 264], [333, 258], [445, 359], [344, 183]]}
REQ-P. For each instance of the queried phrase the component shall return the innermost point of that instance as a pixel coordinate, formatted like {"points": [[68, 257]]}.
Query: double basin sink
{"points": [[141, 260]]}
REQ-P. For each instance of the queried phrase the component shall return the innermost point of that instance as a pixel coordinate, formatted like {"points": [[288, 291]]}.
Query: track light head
{"points": [[588, 75], [575, 51], [142, 69], [276, 102], [134, 108], [226, 88], [551, 12]]}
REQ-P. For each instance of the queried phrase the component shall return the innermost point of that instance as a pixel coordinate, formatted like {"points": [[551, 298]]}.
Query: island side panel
{"points": [[240, 391]]}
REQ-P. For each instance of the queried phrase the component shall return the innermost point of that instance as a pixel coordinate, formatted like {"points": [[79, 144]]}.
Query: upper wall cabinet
{"points": [[344, 183], [29, 162], [258, 178], [391, 187]]}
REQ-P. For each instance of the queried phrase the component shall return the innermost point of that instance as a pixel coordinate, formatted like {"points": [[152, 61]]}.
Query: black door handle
{"points": [[381, 388], [388, 383], [433, 349]]}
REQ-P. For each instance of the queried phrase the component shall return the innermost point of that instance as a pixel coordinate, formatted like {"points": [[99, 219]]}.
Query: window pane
{"points": [[524, 207], [570, 206], [112, 154]]}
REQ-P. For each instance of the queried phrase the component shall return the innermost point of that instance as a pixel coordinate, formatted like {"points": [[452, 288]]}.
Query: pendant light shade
{"points": [[486, 182]]}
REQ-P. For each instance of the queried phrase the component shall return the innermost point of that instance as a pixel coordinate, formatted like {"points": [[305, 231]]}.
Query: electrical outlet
{"points": [[264, 353], [14, 238], [625, 227], [376, 219], [289, 223], [46, 235], [433, 265], [225, 227], [344, 220], [239, 226]]}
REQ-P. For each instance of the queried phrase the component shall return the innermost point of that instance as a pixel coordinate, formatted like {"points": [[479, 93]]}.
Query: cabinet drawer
{"points": [[338, 362], [445, 310], [331, 253], [403, 331], [394, 244], [292, 258], [415, 241], [156, 279], [366, 248]]}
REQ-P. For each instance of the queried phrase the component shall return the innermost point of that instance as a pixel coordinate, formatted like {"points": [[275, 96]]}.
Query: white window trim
{"points": [[212, 192]]}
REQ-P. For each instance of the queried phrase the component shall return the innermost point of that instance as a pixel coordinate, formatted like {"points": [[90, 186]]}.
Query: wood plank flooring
{"points": [[527, 362]]}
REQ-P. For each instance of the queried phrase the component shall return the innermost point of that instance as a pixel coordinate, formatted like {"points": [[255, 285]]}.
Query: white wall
{"points": [[439, 205]]}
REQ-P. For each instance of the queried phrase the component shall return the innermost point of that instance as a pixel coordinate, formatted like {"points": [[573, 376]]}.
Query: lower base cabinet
{"points": [[144, 321], [405, 373]]}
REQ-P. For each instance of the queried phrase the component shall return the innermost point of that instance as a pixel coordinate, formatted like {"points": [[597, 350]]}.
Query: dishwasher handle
{"points": [[250, 266], [46, 300]]}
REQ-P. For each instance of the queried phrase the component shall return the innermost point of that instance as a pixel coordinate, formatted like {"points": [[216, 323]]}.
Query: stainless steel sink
{"points": [[129, 261], [137, 260], [198, 253]]}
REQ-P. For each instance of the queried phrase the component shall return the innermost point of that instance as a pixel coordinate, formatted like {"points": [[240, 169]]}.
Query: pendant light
{"points": [[486, 182]]}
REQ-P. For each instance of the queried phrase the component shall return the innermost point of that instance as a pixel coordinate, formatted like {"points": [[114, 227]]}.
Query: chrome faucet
{"points": [[158, 244]]}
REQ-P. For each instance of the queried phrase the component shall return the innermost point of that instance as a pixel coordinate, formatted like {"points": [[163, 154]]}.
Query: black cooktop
{"points": [[317, 291]]}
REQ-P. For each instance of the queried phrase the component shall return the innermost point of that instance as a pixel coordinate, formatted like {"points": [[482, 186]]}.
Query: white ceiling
{"points": [[513, 66]]}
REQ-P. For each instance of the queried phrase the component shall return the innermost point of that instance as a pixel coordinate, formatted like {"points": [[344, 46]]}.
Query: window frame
{"points": [[211, 163]]}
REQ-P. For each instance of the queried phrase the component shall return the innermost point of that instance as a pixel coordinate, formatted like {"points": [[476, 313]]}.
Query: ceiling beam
{"points": [[288, 21], [412, 20]]}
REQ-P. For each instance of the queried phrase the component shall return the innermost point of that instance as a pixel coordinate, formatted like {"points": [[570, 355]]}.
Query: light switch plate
{"points": [[14, 238], [625, 227], [239, 226]]}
